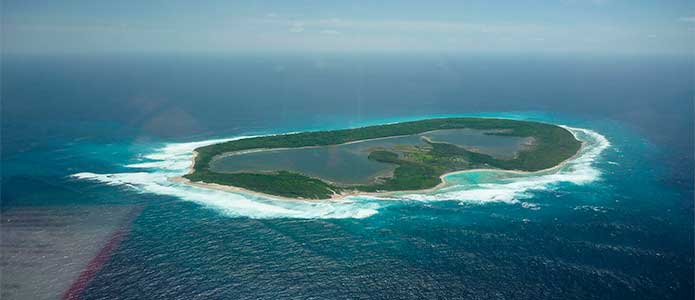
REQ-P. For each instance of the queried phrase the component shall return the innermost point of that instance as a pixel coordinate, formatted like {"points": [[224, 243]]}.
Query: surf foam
{"points": [[513, 187]]}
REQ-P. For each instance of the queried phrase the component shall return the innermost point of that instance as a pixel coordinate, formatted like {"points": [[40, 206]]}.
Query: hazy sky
{"points": [[597, 26]]}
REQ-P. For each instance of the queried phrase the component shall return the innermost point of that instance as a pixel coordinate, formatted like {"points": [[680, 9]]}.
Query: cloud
{"points": [[331, 20], [399, 26], [297, 27], [87, 28], [330, 32], [594, 2], [279, 31]]}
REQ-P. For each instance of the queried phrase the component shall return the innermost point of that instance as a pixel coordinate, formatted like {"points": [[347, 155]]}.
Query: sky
{"points": [[514, 26]]}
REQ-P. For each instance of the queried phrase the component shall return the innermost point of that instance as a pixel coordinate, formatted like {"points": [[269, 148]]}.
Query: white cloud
{"points": [[403, 26], [330, 32], [100, 28], [595, 2], [297, 27], [331, 20], [395, 26]]}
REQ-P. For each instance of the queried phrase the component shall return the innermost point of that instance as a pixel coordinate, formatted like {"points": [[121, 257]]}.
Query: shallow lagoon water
{"points": [[349, 163]]}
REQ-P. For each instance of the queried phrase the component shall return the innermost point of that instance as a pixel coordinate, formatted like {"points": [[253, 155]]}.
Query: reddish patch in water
{"points": [[79, 285]]}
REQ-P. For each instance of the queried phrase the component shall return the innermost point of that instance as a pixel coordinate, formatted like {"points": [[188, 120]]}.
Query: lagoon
{"points": [[348, 164]]}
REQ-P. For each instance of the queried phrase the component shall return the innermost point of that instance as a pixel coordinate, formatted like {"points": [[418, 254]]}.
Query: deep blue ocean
{"points": [[618, 225]]}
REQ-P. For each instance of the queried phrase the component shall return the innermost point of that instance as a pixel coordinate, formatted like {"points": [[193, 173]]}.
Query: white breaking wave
{"points": [[174, 160], [513, 187]]}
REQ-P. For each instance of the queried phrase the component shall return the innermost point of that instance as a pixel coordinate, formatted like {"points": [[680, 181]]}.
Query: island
{"points": [[405, 156]]}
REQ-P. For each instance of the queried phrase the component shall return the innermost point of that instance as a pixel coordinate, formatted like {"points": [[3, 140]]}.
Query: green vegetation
{"points": [[283, 183], [418, 167]]}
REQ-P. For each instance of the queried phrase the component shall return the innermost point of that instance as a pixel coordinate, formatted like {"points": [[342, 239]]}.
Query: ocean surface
{"points": [[614, 223]]}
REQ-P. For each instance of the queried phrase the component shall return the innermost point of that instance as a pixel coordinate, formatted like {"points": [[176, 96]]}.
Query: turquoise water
{"points": [[617, 223], [349, 163]]}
